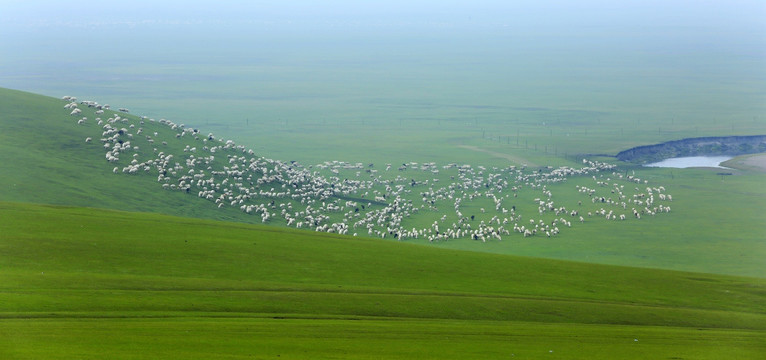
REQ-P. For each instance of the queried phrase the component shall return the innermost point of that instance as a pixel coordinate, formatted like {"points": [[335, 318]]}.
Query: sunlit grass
{"points": [[81, 282]]}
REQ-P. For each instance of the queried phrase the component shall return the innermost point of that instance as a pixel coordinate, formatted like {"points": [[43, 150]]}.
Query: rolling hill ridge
{"points": [[93, 263]]}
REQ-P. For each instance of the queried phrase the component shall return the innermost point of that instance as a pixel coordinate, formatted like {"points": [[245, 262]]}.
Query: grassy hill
{"points": [[91, 264], [81, 283], [715, 227], [44, 159]]}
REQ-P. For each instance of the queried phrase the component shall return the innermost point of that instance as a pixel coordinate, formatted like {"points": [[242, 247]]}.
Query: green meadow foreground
{"points": [[81, 283], [92, 265]]}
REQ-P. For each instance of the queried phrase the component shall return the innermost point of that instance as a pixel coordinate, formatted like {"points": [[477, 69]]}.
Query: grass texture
{"points": [[81, 283]]}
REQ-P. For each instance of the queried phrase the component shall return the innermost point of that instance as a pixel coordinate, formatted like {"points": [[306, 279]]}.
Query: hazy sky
{"points": [[732, 15]]}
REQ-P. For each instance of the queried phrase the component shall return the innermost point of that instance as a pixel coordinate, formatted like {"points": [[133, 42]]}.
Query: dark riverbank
{"points": [[703, 146]]}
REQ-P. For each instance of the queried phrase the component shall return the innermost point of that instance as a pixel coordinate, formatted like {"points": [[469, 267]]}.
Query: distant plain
{"points": [[384, 96]]}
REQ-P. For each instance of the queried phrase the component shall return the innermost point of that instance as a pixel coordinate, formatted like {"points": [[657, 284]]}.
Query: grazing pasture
{"points": [[304, 181], [80, 282], [608, 215], [297, 338]]}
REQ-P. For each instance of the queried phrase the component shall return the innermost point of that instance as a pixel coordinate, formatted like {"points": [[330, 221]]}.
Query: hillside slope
{"points": [[95, 279], [44, 159]]}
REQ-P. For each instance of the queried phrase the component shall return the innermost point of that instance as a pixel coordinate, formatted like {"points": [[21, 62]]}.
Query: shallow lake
{"points": [[691, 161]]}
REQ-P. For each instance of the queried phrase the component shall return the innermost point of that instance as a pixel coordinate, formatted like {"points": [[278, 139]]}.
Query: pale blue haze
{"points": [[655, 64]]}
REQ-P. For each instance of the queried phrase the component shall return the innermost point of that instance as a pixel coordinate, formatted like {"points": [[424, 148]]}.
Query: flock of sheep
{"points": [[404, 201]]}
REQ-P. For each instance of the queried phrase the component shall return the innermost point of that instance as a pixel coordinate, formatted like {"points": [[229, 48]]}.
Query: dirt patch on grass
{"points": [[754, 162], [758, 160], [515, 159]]}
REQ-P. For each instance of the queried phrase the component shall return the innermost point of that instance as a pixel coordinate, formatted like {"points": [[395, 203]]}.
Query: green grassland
{"points": [[714, 218], [716, 225], [44, 159], [95, 264], [81, 283]]}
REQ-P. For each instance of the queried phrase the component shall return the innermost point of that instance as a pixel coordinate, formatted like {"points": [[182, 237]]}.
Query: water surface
{"points": [[692, 161]]}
